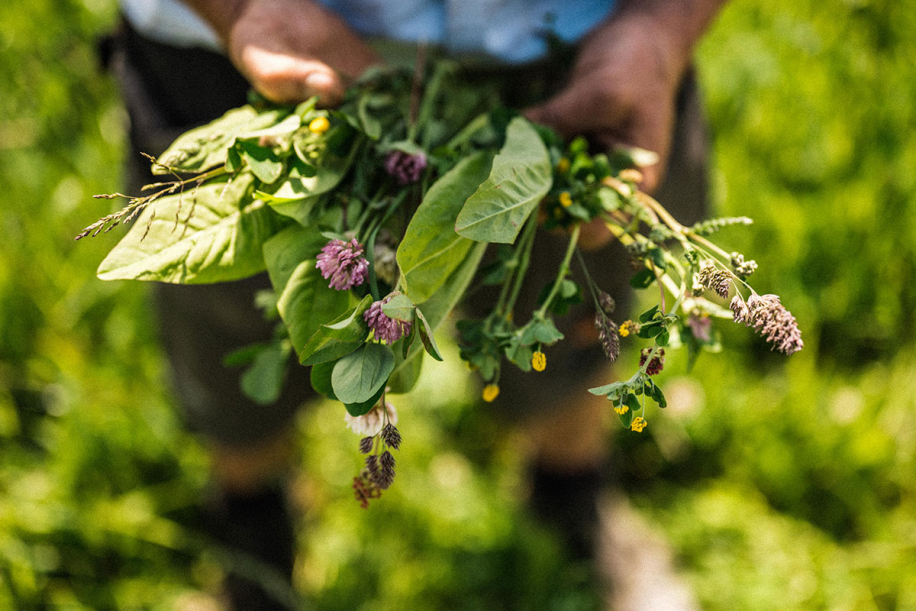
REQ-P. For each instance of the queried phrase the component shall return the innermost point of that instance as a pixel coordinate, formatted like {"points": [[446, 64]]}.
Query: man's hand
{"points": [[623, 86], [289, 50], [621, 92]]}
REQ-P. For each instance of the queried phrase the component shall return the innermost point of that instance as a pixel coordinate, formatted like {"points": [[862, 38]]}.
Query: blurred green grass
{"points": [[782, 484]]}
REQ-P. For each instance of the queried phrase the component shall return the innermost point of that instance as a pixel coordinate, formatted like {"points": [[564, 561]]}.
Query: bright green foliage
{"points": [[521, 175], [304, 299], [213, 233], [431, 250], [779, 487]]}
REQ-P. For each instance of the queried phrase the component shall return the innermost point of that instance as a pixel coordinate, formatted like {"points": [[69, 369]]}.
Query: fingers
{"points": [[286, 79], [576, 111]]}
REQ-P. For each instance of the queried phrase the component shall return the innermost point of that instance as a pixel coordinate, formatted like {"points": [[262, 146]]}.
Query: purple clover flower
{"points": [[343, 264], [405, 167], [386, 329]]}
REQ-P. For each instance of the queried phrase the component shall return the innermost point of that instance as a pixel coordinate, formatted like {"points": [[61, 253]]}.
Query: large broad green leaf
{"points": [[304, 299], [218, 238], [207, 146], [521, 175], [435, 310], [357, 377], [431, 250]]}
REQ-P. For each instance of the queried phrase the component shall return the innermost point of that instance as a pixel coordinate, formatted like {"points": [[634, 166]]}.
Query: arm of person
{"points": [[623, 86], [289, 50]]}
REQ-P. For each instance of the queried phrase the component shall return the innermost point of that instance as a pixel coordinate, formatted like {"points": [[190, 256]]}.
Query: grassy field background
{"points": [[781, 484]]}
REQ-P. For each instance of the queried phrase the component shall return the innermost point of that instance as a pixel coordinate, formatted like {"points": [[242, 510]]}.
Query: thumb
{"points": [[287, 79]]}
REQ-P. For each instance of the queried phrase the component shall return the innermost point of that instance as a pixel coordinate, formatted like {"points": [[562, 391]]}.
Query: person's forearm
{"points": [[220, 14], [678, 24]]}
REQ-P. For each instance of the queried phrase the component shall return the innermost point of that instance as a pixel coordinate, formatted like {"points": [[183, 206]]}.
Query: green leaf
{"points": [[359, 375], [263, 381], [431, 250], [208, 146], [320, 377], [662, 338], [359, 409], [427, 336], [369, 123], [626, 418], [297, 194], [648, 314], [284, 127], [520, 177], [400, 308], [642, 279], [304, 299], [221, 239], [542, 331], [608, 389], [263, 162], [436, 309], [339, 337]]}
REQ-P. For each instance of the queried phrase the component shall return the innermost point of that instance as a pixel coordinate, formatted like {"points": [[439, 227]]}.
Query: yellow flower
{"points": [[638, 424], [563, 165], [565, 199], [539, 361], [490, 392], [319, 125], [621, 409], [627, 327]]}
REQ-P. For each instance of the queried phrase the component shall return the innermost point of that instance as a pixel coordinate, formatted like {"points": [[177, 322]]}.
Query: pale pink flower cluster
{"points": [[770, 319], [371, 423]]}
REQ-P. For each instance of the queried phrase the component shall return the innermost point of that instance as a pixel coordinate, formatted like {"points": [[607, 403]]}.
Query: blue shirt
{"points": [[510, 31]]}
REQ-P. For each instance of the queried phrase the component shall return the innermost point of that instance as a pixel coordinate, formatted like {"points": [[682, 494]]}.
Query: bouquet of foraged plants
{"points": [[371, 221]]}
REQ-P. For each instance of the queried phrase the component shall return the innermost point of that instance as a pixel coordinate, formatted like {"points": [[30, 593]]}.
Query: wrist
{"points": [[220, 14]]}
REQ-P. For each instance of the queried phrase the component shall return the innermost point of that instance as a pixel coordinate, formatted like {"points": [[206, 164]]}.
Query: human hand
{"points": [[289, 50], [621, 92]]}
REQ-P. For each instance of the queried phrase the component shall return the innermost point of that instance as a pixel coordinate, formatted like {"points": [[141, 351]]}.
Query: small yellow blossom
{"points": [[539, 361], [638, 424], [625, 328], [563, 165], [490, 392], [565, 199], [319, 125], [622, 409]]}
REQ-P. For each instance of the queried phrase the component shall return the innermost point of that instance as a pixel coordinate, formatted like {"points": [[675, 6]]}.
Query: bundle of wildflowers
{"points": [[371, 221]]}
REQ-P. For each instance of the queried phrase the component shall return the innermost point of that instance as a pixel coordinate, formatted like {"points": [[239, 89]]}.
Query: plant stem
{"points": [[564, 270]]}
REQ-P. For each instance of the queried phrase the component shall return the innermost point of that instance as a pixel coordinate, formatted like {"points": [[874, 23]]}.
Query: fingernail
{"points": [[319, 82]]}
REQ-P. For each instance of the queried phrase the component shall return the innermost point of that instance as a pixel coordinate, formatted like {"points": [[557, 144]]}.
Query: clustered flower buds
{"points": [[386, 329], [406, 168], [607, 335], [343, 264], [656, 364], [742, 268], [713, 279], [770, 319], [378, 473]]}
